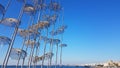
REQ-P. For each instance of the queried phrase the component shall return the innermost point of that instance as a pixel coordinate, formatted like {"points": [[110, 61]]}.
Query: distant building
{"points": [[111, 63]]}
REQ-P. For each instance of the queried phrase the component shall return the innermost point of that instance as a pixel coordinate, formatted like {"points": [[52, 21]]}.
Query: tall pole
{"points": [[31, 56], [51, 44], [61, 56], [44, 50], [56, 56]]}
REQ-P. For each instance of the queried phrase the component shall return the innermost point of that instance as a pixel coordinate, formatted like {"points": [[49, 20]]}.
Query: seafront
{"points": [[109, 64], [103, 67]]}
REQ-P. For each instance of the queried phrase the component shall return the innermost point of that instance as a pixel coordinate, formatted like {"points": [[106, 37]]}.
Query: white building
{"points": [[111, 63]]}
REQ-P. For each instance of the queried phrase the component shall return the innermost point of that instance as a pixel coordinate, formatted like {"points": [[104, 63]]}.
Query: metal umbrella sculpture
{"points": [[48, 40], [4, 9], [4, 40], [15, 53], [60, 30], [12, 22], [44, 16], [56, 41], [55, 8], [32, 44], [28, 34], [45, 57], [62, 45], [18, 54]]}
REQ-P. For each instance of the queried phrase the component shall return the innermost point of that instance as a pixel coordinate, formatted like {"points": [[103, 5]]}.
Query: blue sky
{"points": [[93, 33]]}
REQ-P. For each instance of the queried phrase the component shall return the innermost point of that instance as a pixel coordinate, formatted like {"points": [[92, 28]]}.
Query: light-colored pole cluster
{"points": [[38, 32]]}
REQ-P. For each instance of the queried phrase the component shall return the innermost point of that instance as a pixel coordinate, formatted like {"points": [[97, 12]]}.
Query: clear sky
{"points": [[93, 33]]}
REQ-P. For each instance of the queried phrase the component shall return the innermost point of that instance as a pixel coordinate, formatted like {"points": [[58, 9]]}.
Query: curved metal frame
{"points": [[16, 53], [28, 33], [31, 43], [29, 9], [45, 57], [2, 9], [42, 6], [4, 40], [60, 30], [11, 22], [40, 25], [55, 6]]}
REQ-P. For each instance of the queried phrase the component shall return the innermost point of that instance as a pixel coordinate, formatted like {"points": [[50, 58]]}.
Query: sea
{"points": [[57, 67], [46, 67]]}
